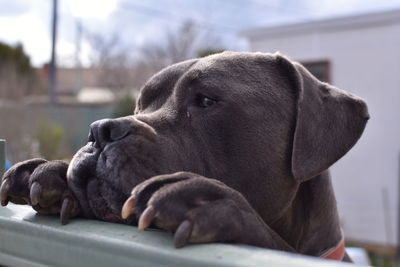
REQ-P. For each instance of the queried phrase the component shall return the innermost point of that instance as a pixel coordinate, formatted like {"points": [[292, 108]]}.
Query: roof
{"points": [[330, 24]]}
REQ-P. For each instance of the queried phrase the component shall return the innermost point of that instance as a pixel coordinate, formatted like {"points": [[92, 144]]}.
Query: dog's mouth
{"points": [[102, 177], [98, 195], [104, 201]]}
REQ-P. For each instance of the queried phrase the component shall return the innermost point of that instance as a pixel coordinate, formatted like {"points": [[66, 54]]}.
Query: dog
{"points": [[234, 147]]}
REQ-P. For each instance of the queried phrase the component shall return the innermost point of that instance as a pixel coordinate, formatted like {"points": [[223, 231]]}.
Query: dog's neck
{"points": [[312, 217]]}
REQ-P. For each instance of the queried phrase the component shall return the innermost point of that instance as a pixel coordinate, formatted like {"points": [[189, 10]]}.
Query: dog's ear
{"points": [[329, 121]]}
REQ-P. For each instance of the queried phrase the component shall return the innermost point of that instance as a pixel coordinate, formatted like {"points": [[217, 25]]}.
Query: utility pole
{"points": [[78, 64], [52, 67]]}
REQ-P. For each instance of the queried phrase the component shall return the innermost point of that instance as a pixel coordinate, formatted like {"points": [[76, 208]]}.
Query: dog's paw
{"points": [[196, 208], [41, 184]]}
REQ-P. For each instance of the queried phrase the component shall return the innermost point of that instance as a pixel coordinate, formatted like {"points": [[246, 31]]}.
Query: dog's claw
{"points": [[128, 207], [65, 211], [182, 234], [146, 218], [4, 189], [35, 193]]}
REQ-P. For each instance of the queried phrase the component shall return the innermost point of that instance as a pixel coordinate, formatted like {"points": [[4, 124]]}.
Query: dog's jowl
{"points": [[234, 147]]}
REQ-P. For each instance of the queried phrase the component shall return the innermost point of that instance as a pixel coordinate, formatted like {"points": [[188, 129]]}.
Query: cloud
{"points": [[28, 22], [325, 8], [13, 8], [29, 30], [140, 22], [92, 9]]}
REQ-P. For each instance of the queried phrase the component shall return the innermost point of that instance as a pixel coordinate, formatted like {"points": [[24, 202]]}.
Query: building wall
{"points": [[366, 62]]}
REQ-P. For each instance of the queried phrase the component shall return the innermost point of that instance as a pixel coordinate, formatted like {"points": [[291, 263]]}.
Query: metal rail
{"points": [[28, 239]]}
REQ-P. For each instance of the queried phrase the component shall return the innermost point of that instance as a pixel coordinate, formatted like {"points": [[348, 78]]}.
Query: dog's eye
{"points": [[204, 101]]}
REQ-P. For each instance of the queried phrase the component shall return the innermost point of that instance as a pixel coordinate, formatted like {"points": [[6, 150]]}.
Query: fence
{"points": [[21, 124]]}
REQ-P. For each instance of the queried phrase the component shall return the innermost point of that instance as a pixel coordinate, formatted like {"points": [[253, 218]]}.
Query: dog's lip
{"points": [[92, 201], [84, 179], [82, 168], [93, 163], [100, 206]]}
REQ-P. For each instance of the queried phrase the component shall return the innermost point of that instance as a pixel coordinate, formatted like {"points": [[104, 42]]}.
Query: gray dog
{"points": [[260, 127]]}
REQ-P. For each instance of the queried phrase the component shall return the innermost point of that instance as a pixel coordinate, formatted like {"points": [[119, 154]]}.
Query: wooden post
{"points": [[2, 157]]}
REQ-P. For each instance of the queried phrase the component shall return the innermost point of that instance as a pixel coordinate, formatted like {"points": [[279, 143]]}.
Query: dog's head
{"points": [[258, 122]]}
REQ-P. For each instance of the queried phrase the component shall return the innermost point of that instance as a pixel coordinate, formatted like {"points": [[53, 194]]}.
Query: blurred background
{"points": [[67, 63]]}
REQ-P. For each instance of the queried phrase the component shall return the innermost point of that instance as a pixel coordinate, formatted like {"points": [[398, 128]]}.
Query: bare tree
{"points": [[184, 43], [117, 69], [111, 60]]}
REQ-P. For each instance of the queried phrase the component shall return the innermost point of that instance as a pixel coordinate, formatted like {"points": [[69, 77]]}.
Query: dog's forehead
{"points": [[228, 66], [161, 85], [222, 62], [234, 66]]}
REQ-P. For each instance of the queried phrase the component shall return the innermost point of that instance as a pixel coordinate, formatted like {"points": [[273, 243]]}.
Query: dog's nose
{"points": [[108, 131]]}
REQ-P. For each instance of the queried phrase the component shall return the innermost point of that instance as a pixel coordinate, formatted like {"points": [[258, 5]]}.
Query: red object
{"points": [[335, 253]]}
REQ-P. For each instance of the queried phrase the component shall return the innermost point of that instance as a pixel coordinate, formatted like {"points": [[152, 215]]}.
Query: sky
{"points": [[139, 23]]}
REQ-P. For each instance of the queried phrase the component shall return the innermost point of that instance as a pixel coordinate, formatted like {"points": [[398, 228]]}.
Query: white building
{"points": [[360, 54]]}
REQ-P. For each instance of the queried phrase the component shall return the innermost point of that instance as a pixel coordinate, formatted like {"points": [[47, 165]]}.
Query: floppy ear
{"points": [[329, 122]]}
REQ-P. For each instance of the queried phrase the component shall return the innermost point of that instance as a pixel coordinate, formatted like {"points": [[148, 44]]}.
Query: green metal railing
{"points": [[29, 239], [2, 157]]}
